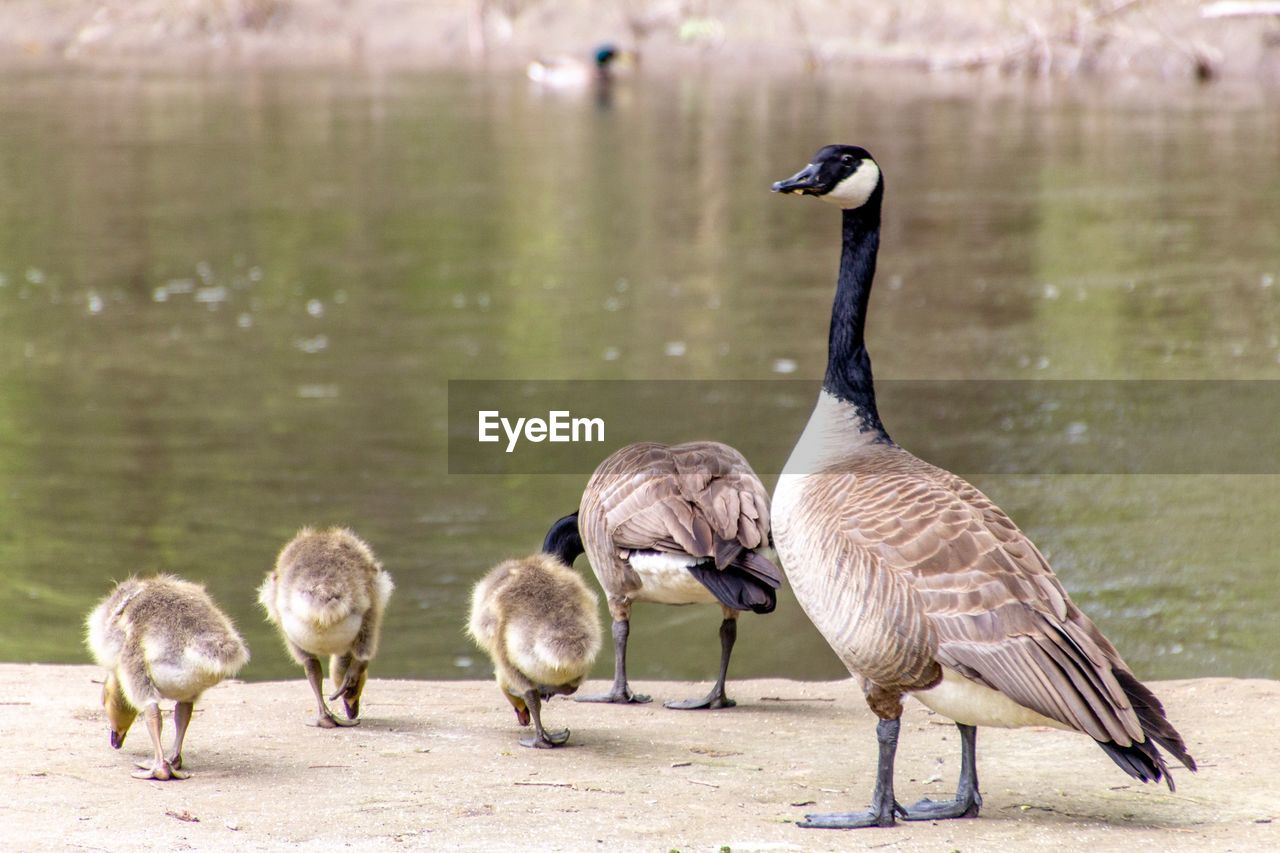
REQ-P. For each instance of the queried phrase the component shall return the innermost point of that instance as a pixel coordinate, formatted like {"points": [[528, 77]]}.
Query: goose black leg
{"points": [[542, 739], [968, 800], [883, 805], [620, 693], [716, 698]]}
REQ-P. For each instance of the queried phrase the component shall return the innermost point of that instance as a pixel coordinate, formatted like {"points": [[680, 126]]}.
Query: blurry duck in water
{"points": [[536, 618], [160, 638], [564, 72], [327, 594]]}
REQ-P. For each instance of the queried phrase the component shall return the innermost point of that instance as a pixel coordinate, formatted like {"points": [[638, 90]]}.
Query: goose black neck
{"points": [[563, 540], [848, 364]]}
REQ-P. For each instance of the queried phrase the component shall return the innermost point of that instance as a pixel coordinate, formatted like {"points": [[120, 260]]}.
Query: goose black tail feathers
{"points": [[1142, 760], [747, 580]]}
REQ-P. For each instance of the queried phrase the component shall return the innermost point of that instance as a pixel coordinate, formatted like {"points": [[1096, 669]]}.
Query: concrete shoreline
{"points": [[435, 764]]}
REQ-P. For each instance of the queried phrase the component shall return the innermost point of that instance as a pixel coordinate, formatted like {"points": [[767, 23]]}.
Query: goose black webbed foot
{"points": [[881, 816], [928, 809], [712, 701], [617, 696]]}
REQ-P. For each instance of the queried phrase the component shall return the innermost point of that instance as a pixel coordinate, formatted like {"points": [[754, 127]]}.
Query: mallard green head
{"points": [[605, 54]]}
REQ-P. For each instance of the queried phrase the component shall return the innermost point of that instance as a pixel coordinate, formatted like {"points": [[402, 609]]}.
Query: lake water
{"points": [[230, 305]]}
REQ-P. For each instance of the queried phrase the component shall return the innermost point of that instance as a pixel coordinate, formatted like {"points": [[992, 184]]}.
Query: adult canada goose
{"points": [[536, 619], [327, 594], [678, 525], [160, 638], [918, 581], [565, 72]]}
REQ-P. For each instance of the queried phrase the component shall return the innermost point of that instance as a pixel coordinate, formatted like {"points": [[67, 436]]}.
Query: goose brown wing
{"points": [[999, 615], [701, 499], [686, 499]]}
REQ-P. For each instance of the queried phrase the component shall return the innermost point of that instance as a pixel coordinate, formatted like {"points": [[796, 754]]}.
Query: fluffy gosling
{"points": [[537, 620], [160, 638], [327, 594]]}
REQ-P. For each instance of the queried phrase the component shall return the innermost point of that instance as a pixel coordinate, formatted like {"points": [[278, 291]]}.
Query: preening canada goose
{"points": [[160, 638], [918, 581], [327, 594], [537, 621], [678, 525]]}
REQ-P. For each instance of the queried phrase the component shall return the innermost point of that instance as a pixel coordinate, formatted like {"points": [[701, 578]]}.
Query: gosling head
{"points": [[518, 704], [120, 714], [350, 687], [845, 175]]}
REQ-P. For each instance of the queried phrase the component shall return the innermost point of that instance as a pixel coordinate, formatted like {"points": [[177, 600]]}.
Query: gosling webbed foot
{"points": [[928, 809], [159, 771], [329, 721], [174, 761], [616, 696], [711, 702], [547, 740], [853, 820]]}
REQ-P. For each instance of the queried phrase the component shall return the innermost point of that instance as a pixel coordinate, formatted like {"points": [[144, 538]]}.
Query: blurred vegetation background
{"points": [[1167, 38]]}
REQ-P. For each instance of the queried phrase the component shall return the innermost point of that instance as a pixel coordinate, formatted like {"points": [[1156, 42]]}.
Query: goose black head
{"points": [[563, 539], [845, 175]]}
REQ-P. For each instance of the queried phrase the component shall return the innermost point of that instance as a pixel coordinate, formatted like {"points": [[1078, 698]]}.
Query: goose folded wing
{"points": [[1000, 616], [720, 483], [650, 514]]}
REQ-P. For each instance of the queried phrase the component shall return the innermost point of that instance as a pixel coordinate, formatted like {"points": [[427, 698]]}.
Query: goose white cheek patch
{"points": [[854, 190]]}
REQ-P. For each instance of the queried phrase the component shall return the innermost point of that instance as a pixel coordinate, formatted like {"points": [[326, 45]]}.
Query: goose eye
{"points": [[846, 159]]}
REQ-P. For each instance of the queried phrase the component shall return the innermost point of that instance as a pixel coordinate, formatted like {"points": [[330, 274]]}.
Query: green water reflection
{"points": [[230, 306]]}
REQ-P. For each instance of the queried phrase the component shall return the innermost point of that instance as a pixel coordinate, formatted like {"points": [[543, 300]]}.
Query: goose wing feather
{"points": [[997, 613], [684, 499]]}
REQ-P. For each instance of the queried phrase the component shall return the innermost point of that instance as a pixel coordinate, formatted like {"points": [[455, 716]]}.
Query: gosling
{"points": [[327, 594], [160, 638], [537, 620]]}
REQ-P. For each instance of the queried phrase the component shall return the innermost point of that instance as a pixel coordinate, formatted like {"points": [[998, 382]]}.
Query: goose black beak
{"points": [[115, 738], [804, 182]]}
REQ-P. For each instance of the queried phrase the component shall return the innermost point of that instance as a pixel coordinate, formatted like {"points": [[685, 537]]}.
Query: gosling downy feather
{"points": [[918, 581], [536, 619], [160, 638], [682, 524], [327, 594]]}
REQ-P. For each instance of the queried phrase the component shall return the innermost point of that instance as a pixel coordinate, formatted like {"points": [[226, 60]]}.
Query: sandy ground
{"points": [[436, 764]]}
